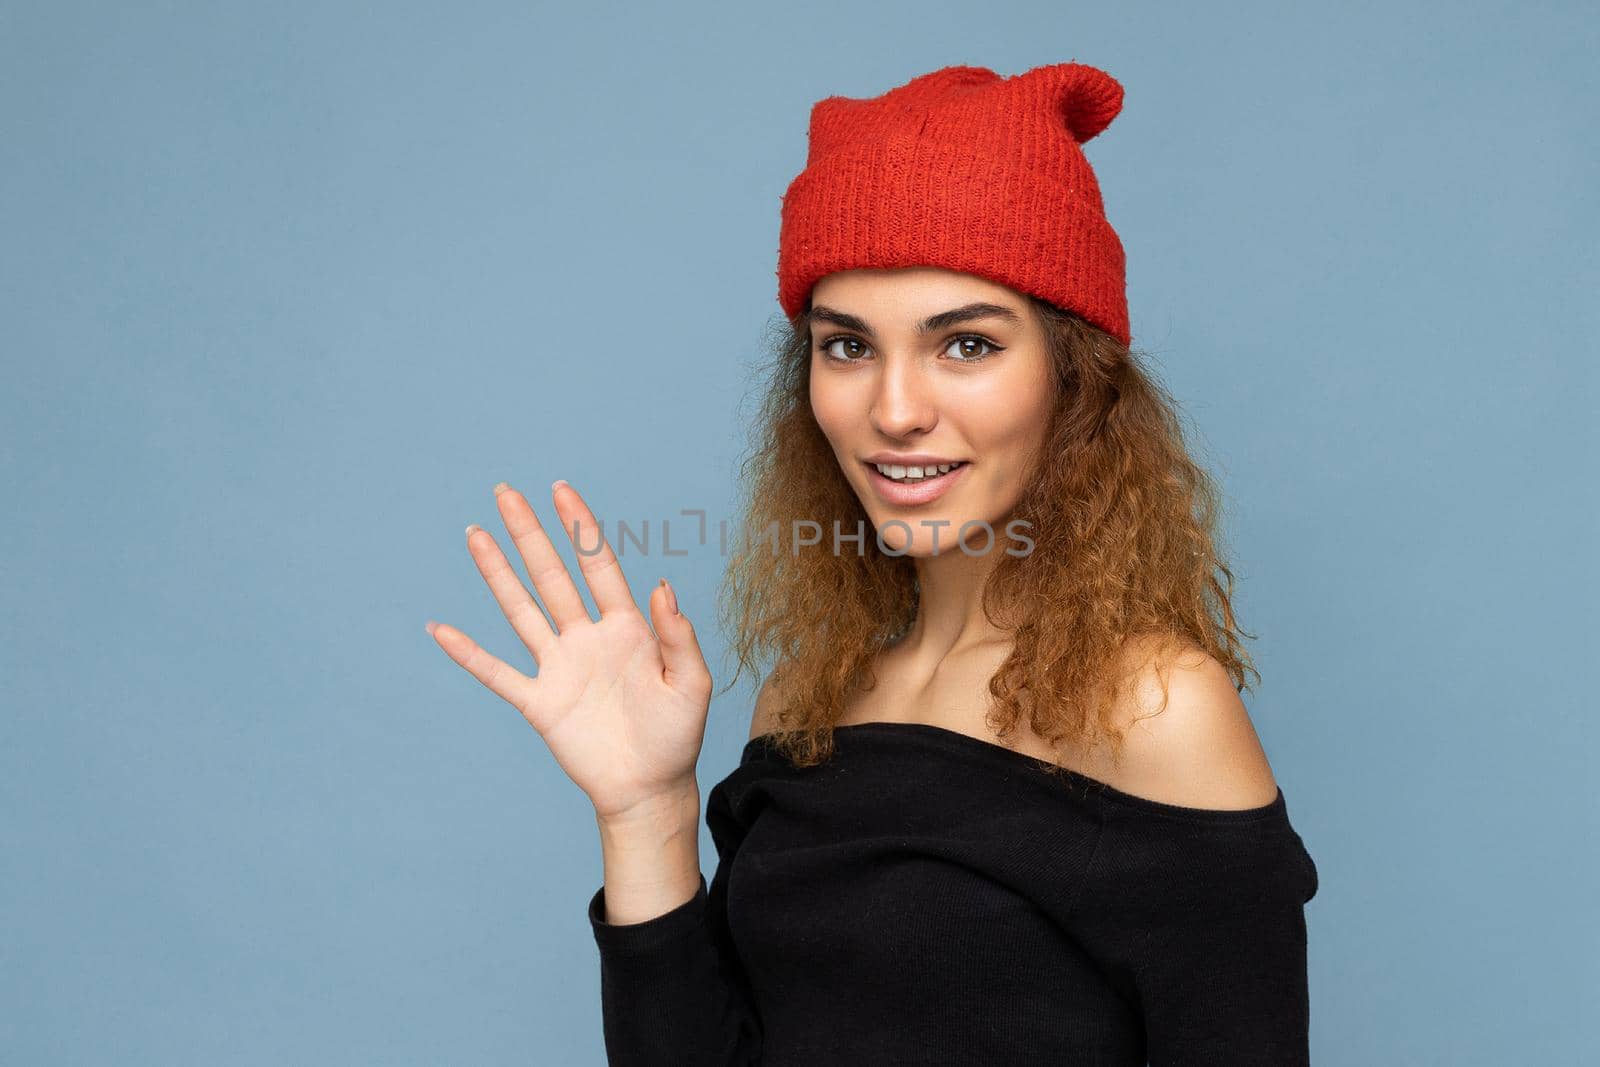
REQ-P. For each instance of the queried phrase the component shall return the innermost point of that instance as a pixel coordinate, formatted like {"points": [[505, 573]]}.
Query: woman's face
{"points": [[918, 367]]}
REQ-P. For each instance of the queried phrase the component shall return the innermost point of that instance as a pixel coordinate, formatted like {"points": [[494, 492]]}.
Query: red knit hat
{"points": [[962, 169]]}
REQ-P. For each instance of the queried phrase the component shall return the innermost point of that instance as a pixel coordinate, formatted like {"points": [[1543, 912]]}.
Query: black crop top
{"points": [[929, 897]]}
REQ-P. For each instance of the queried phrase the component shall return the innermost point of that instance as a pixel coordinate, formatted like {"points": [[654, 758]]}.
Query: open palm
{"points": [[622, 708]]}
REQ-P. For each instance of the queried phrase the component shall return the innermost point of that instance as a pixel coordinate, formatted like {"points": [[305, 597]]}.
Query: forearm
{"points": [[673, 991], [651, 857]]}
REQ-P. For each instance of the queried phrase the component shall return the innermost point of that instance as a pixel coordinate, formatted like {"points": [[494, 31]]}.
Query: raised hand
{"points": [[622, 708]]}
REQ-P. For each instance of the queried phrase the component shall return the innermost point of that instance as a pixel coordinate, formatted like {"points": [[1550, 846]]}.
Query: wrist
{"points": [[650, 853], [672, 811]]}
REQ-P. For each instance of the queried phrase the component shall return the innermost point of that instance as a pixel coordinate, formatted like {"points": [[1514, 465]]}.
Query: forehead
{"points": [[909, 291]]}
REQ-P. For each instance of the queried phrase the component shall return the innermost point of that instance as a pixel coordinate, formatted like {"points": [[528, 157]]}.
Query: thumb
{"points": [[683, 662]]}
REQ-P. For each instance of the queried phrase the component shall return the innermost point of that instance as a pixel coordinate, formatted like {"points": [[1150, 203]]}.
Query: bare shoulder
{"points": [[1196, 747]]}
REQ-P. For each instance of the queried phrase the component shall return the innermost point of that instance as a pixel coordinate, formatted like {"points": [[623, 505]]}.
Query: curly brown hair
{"points": [[1126, 554]]}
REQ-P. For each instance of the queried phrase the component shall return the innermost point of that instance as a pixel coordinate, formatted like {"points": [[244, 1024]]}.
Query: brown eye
{"points": [[970, 345], [826, 348]]}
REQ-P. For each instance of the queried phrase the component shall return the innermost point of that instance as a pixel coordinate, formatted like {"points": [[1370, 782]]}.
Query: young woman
{"points": [[1001, 801]]}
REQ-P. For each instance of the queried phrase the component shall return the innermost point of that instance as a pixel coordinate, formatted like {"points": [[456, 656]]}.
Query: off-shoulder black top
{"points": [[929, 897]]}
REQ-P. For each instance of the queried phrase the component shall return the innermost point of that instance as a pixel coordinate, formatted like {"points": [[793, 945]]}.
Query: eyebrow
{"points": [[940, 321]]}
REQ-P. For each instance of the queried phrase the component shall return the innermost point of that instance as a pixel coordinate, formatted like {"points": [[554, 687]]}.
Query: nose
{"points": [[901, 401]]}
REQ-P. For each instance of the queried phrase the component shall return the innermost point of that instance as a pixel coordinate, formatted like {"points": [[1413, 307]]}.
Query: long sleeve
{"points": [[673, 991], [1199, 922]]}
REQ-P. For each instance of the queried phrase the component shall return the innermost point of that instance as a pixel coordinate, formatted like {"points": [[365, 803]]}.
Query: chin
{"points": [[920, 543]]}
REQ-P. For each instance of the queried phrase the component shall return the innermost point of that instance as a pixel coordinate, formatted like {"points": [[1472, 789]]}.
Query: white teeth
{"points": [[901, 473]]}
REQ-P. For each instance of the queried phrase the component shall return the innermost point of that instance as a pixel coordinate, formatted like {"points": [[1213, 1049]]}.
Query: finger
{"points": [[510, 684], [600, 568], [509, 592], [684, 665], [552, 581]]}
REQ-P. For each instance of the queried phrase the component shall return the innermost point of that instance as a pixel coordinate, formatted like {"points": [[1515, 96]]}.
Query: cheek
{"points": [[999, 420], [1005, 435], [832, 407]]}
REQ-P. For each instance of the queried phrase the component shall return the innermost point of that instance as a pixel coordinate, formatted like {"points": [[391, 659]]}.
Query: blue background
{"points": [[286, 288]]}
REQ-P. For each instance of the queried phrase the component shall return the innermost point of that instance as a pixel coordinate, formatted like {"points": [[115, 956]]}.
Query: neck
{"points": [[950, 616]]}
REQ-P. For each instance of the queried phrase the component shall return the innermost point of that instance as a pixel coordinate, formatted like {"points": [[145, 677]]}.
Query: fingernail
{"points": [[557, 484], [429, 626], [672, 598], [473, 526], [500, 487]]}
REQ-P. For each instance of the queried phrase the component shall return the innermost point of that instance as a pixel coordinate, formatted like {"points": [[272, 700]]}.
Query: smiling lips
{"points": [[913, 469], [898, 487]]}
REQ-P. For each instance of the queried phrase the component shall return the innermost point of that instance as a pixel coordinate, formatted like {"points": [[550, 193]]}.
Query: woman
{"points": [[1001, 801]]}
